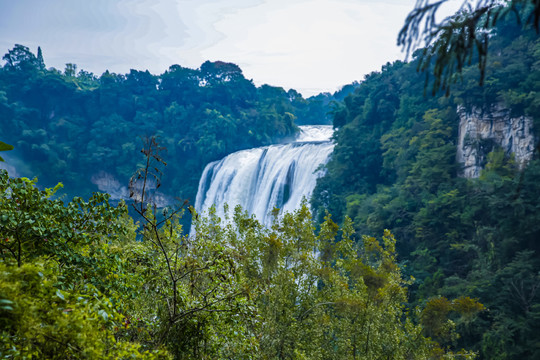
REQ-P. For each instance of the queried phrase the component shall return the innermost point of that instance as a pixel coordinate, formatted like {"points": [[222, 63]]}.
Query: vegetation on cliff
{"points": [[394, 167]]}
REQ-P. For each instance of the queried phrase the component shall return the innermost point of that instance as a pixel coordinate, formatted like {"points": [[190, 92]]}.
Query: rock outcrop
{"points": [[481, 131]]}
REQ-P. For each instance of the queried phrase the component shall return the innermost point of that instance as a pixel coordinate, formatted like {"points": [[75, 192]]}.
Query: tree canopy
{"points": [[394, 167], [83, 281], [81, 129]]}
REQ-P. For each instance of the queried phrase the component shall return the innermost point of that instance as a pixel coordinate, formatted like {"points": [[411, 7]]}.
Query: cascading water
{"points": [[263, 178]]}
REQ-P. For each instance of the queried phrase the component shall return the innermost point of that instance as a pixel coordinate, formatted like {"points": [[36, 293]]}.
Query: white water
{"points": [[263, 178]]}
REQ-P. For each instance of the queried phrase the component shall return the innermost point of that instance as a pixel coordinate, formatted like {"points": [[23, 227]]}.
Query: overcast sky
{"points": [[309, 45]]}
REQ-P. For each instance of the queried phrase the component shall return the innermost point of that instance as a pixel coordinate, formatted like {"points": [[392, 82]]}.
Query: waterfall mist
{"points": [[263, 178]]}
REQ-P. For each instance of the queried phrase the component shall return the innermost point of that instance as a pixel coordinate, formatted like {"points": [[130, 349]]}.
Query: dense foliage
{"points": [[394, 167], [76, 284], [83, 280], [62, 277], [82, 129]]}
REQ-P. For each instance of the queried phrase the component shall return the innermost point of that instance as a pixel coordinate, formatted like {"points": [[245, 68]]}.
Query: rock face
{"points": [[481, 131]]}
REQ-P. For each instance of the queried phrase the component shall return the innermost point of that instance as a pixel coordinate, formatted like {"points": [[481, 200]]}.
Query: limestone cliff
{"points": [[481, 131]]}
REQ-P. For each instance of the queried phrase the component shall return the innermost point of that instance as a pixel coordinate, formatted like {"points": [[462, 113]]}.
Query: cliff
{"points": [[481, 131]]}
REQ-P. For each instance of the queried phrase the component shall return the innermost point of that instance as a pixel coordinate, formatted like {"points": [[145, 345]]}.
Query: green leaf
{"points": [[59, 294], [5, 147], [103, 314]]}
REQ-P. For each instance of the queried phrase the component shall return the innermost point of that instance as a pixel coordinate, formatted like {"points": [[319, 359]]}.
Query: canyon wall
{"points": [[481, 131]]}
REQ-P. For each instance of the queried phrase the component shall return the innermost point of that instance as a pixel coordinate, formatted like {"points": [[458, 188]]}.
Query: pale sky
{"points": [[310, 45]]}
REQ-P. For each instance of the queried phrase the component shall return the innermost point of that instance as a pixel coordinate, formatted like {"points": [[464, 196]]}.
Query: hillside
{"points": [[450, 181], [456, 179], [85, 130]]}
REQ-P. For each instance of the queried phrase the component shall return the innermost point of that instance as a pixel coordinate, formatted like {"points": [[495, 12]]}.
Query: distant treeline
{"points": [[77, 127]]}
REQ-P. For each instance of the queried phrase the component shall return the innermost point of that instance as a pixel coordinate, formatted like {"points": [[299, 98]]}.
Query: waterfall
{"points": [[263, 178]]}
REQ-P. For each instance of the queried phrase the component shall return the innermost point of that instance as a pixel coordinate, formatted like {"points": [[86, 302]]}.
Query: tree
{"points": [[462, 38], [62, 279], [70, 70], [40, 61], [20, 58], [213, 73], [192, 293], [326, 296], [40, 321]]}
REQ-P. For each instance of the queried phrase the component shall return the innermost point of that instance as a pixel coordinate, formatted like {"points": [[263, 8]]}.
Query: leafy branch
{"points": [[5, 147], [460, 39]]}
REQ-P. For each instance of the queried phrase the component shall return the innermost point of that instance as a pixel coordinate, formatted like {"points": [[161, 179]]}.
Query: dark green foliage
{"points": [[5, 147], [80, 128], [75, 283], [62, 280], [21, 58], [394, 168]]}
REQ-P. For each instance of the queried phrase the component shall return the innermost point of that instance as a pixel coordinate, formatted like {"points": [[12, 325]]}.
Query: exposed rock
{"points": [[481, 131], [108, 183]]}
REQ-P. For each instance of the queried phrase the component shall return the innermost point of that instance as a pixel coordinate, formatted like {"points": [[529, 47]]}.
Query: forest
{"points": [[398, 255], [474, 237], [85, 131]]}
